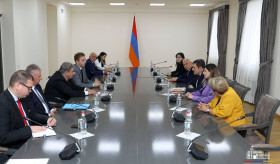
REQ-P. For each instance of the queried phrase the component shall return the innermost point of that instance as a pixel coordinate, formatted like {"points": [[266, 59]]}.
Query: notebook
{"points": [[75, 107]]}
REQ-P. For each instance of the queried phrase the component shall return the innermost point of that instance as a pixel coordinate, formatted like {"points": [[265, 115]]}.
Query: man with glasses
{"points": [[36, 99], [15, 130]]}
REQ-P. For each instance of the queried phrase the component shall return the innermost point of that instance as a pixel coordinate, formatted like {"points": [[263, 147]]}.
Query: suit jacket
{"points": [[92, 70], [196, 82], [59, 90], [35, 103], [13, 132], [79, 80], [180, 70], [188, 76]]}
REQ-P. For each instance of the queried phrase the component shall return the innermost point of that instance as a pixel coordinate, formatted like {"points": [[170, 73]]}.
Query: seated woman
{"points": [[100, 62], [180, 70], [205, 94], [226, 103]]}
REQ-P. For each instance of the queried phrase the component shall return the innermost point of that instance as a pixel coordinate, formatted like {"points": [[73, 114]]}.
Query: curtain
{"points": [[248, 62], [222, 39], [268, 33], [240, 24], [213, 56], [210, 21]]}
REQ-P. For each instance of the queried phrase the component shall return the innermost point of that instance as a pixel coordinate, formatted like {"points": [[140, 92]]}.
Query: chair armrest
{"points": [[249, 114], [8, 151], [266, 147], [55, 104], [251, 126]]}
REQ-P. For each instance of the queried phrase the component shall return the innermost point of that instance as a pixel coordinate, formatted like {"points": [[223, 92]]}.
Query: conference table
{"points": [[136, 127]]}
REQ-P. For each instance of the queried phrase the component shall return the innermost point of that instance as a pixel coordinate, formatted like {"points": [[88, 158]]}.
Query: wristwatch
{"points": [[208, 110]]}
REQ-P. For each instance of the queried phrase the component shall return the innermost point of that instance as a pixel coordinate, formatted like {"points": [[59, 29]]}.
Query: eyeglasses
{"points": [[26, 86]]}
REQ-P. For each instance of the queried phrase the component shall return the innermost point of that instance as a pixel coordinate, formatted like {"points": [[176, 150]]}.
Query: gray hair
{"points": [[66, 66], [31, 68], [20, 76]]}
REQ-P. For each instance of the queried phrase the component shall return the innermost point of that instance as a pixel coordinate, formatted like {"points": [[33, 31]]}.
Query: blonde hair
{"points": [[218, 84]]}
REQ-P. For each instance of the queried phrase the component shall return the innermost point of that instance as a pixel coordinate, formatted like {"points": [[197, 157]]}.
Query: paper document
{"points": [[28, 161], [97, 110], [79, 135], [48, 132], [166, 94], [180, 109], [189, 136]]}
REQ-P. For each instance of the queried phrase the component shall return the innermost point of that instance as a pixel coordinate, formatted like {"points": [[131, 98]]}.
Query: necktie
{"points": [[21, 111], [42, 100], [82, 75], [197, 81]]}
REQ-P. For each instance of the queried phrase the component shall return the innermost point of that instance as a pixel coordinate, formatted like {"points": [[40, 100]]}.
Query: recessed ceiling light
{"points": [[117, 4], [197, 4], [77, 3], [157, 4]]}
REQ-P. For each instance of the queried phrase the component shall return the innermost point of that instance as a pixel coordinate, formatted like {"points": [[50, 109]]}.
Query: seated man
{"points": [[91, 69], [36, 99], [196, 83], [188, 76], [60, 89], [15, 130], [80, 79]]}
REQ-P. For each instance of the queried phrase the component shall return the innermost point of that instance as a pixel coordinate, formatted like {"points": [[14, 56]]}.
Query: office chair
{"points": [[241, 90], [230, 81], [262, 120]]}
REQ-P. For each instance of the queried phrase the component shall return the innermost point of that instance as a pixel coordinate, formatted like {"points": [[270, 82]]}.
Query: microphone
{"points": [[160, 62], [179, 116], [69, 151], [198, 151], [164, 67]]}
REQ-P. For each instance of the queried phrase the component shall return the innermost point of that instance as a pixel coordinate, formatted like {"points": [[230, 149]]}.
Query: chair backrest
{"points": [[230, 82], [241, 90], [264, 113]]}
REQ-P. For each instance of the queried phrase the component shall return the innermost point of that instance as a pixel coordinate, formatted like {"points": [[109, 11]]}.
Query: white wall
{"points": [[8, 42], [160, 35], [275, 74]]}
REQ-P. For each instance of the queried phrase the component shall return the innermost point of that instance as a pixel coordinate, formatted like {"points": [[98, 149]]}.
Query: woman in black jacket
{"points": [[180, 70]]}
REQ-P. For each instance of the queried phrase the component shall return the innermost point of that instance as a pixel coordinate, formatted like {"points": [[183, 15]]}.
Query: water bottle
{"points": [[105, 86], [158, 72], [179, 99], [151, 67], [96, 101], [188, 121], [82, 124], [168, 84]]}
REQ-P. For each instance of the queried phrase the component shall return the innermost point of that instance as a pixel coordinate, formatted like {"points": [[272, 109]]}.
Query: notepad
{"points": [[46, 133], [75, 107]]}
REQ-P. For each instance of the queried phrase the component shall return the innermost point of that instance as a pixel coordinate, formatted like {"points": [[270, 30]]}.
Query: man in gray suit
{"points": [[80, 78]]}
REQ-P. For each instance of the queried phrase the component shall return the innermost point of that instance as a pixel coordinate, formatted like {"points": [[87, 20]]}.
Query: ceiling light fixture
{"points": [[157, 4], [77, 3], [197, 4], [117, 4]]}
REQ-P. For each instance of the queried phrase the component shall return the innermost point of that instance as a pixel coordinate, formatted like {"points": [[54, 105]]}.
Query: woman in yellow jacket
{"points": [[226, 103]]}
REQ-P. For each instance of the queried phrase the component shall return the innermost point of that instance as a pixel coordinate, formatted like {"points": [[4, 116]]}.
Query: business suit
{"points": [[13, 131], [188, 76], [92, 70], [196, 82], [35, 103], [80, 78], [59, 90]]}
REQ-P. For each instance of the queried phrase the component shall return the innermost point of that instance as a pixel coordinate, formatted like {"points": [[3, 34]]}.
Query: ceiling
{"points": [[169, 4]]}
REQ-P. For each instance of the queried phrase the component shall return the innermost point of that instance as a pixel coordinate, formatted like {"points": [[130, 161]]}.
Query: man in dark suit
{"points": [[60, 88], [13, 107], [196, 83], [91, 69], [80, 78], [188, 76], [36, 99]]}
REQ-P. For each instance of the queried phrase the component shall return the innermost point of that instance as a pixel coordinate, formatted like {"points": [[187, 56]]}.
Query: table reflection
{"points": [[116, 112], [54, 145], [163, 146], [109, 146], [218, 147], [155, 113]]}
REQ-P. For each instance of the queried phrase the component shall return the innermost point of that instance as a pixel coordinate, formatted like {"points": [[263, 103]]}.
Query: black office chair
{"points": [[241, 90], [262, 120], [230, 81]]}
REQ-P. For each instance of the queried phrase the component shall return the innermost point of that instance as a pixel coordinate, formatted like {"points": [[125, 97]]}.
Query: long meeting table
{"points": [[136, 128]]}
